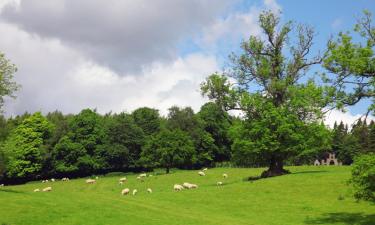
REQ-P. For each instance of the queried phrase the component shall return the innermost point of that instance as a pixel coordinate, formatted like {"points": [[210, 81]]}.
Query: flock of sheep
{"points": [[176, 187], [48, 189], [141, 177]]}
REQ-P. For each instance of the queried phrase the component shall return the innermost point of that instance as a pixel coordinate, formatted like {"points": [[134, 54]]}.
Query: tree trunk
{"points": [[276, 168], [167, 169]]}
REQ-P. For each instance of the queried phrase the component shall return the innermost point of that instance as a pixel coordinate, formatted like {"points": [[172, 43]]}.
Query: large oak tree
{"points": [[282, 109]]}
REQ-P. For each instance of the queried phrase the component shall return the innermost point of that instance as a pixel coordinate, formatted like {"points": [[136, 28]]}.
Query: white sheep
{"points": [[36, 190], [46, 181], [149, 190], [90, 181], [192, 186], [186, 185], [96, 178], [47, 189], [201, 173], [178, 187], [143, 175], [1, 185], [225, 175], [123, 179], [52, 180], [135, 191], [205, 169], [125, 191], [65, 179], [150, 175], [219, 183], [120, 183]]}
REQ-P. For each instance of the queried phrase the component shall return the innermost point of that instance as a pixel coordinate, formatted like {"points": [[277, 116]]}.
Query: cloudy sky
{"points": [[120, 55]]}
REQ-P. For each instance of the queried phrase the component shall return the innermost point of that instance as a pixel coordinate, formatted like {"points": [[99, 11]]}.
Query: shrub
{"points": [[363, 177]]}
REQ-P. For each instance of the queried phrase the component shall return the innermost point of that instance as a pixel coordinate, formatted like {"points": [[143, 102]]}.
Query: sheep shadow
{"points": [[343, 218], [11, 191]]}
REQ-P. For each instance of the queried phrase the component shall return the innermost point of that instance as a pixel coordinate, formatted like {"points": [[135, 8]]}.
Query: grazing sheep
{"points": [[186, 185], [43, 181], [123, 179], [149, 190], [125, 191], [219, 183], [36, 190], [135, 191], [96, 178], [225, 175], [143, 175], [205, 169], [65, 179], [150, 175], [47, 189], [201, 173], [189, 186], [120, 183], [192, 186], [178, 187], [1, 185], [52, 180], [90, 181], [46, 181]]}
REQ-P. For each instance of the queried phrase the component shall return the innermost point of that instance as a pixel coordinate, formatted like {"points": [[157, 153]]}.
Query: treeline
{"points": [[350, 143], [36, 146], [57, 145]]}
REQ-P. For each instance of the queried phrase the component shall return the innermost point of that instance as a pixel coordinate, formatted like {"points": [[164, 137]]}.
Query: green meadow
{"points": [[310, 195]]}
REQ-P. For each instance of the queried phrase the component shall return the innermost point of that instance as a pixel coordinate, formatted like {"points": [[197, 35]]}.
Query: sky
{"points": [[116, 56]]}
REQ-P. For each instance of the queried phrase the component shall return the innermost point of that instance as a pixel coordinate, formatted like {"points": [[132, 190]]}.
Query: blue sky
{"points": [[120, 55]]}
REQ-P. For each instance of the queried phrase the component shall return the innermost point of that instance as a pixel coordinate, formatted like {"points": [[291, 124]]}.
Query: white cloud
{"points": [[58, 70], [235, 27], [123, 35], [54, 76], [272, 5], [346, 117]]}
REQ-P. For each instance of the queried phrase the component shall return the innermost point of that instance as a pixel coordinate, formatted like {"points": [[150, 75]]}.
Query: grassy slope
{"points": [[308, 196]]}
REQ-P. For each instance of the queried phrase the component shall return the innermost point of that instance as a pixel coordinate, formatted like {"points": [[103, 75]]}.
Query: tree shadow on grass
{"points": [[310, 171], [11, 191], [344, 218]]}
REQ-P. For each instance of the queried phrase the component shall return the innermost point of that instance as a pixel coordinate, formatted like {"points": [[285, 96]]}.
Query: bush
{"points": [[363, 177]]}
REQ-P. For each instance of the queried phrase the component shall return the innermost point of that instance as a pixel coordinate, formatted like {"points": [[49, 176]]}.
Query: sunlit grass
{"points": [[310, 195]]}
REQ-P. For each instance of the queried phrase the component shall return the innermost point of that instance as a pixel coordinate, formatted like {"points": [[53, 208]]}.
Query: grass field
{"points": [[310, 195]]}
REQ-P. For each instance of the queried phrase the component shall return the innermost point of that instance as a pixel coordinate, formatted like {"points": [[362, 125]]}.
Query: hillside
{"points": [[310, 195]]}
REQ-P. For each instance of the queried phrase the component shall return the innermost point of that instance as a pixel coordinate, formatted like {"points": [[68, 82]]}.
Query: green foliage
{"points": [[184, 119], [124, 141], [148, 119], [7, 85], [169, 148], [2, 164], [348, 144], [216, 122], [363, 177], [353, 64], [23, 148], [81, 150]]}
